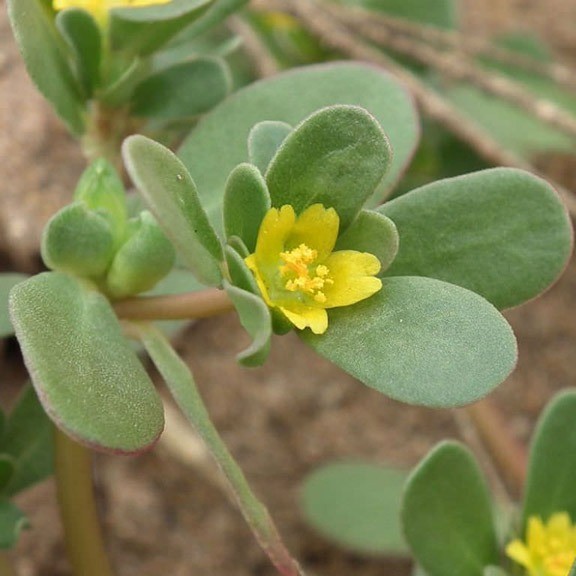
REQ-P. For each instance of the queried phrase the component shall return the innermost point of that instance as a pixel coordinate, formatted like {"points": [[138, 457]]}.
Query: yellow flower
{"points": [[550, 548], [299, 273], [100, 8]]}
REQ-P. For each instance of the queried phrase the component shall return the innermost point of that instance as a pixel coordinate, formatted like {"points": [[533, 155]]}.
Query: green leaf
{"points": [[87, 377], [494, 571], [264, 140], [502, 233], [420, 341], [357, 505], [255, 317], [7, 281], [552, 469], [184, 90], [336, 157], [7, 468], [573, 569], [143, 30], [218, 143], [82, 34], [79, 241], [240, 275], [216, 13], [12, 522], [246, 201], [171, 194], [447, 515], [374, 233], [46, 60], [28, 441], [440, 13]]}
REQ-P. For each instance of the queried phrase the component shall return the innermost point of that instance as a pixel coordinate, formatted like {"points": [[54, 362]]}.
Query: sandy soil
{"points": [[280, 421]]}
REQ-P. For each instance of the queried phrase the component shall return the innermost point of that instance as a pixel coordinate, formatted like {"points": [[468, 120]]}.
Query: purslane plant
{"points": [[447, 492], [269, 206]]}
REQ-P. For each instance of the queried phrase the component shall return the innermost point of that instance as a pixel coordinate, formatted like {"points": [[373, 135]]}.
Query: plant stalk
{"points": [[508, 454], [202, 304], [181, 384], [82, 532]]}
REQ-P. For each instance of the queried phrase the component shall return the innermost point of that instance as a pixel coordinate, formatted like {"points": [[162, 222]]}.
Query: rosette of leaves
{"points": [[447, 494], [140, 66]]}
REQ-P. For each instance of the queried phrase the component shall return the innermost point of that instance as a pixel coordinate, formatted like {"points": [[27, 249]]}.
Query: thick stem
{"points": [[201, 304], [507, 453], [183, 388], [82, 533]]}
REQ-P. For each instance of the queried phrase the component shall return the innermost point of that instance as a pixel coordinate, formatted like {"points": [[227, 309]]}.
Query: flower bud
{"points": [[78, 241], [142, 261]]}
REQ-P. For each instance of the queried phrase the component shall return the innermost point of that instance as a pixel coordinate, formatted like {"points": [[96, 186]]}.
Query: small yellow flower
{"points": [[100, 8], [299, 273], [550, 549]]}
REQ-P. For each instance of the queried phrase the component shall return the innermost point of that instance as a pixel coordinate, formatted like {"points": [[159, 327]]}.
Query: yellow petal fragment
{"points": [[273, 234], [352, 276], [307, 317], [317, 227], [550, 547], [100, 8]]}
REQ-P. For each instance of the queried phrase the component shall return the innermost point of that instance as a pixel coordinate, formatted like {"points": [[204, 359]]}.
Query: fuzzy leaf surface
{"points": [[374, 233], [143, 30], [87, 377], [46, 60], [184, 90], [420, 341], [246, 201], [255, 317], [7, 281], [552, 468], [446, 495], [336, 157], [357, 505], [502, 233], [218, 143], [83, 36], [264, 140], [28, 440], [171, 195]]}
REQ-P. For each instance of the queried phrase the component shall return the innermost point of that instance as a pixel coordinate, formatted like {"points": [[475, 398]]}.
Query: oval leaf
{"points": [[246, 202], [357, 505], [336, 157], [218, 143], [552, 469], [374, 233], [7, 282], [12, 522], [185, 90], [421, 341], [143, 30], [171, 195], [264, 140], [87, 377], [502, 233], [46, 60], [447, 514]]}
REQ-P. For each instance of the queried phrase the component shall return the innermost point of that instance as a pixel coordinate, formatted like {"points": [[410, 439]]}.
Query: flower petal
{"points": [[317, 227], [307, 317], [353, 276], [518, 551], [274, 230]]}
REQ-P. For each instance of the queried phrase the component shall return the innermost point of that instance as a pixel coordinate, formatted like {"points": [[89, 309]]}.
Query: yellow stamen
{"points": [[298, 262]]}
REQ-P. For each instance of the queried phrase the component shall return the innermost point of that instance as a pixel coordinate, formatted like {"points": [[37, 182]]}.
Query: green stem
{"points": [[82, 533], [5, 565], [182, 386]]}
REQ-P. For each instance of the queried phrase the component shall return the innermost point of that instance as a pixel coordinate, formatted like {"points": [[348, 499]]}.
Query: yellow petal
{"points": [[274, 230], [536, 533], [307, 317], [519, 553], [251, 263], [316, 227], [353, 277], [559, 524]]}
